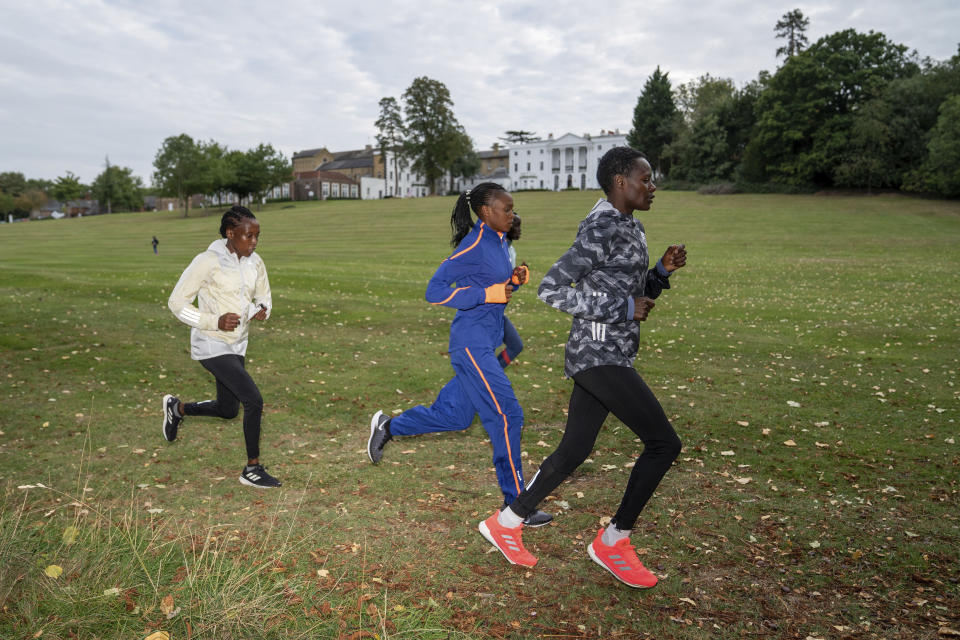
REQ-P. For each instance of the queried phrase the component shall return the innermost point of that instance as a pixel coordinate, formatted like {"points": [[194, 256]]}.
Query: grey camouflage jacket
{"points": [[595, 281]]}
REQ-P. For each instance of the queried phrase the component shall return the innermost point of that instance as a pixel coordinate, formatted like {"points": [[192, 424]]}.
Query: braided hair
{"points": [[618, 161], [460, 221], [234, 217]]}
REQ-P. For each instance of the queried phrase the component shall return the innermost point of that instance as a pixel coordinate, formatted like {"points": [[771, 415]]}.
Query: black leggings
{"points": [[234, 387], [598, 392]]}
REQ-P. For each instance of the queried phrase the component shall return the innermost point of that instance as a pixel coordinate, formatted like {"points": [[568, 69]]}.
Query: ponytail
{"points": [[460, 220]]}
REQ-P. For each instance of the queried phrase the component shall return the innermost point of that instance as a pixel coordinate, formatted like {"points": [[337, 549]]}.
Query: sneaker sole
{"points": [[485, 532], [595, 558], [374, 421], [255, 485], [163, 427]]}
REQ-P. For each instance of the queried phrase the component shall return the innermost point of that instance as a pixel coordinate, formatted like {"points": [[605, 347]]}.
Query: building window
{"points": [[516, 167], [599, 147], [528, 151], [541, 166], [583, 181], [541, 184], [556, 182], [528, 166]]}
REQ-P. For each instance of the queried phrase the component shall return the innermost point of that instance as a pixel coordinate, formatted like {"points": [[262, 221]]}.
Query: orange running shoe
{"points": [[621, 560], [508, 541]]}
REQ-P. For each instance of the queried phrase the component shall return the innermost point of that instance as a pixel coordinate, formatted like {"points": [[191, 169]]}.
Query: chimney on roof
{"points": [[549, 136], [496, 146], [369, 147]]}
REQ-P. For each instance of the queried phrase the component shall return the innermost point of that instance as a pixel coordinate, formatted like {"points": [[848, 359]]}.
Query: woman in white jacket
{"points": [[229, 282]]}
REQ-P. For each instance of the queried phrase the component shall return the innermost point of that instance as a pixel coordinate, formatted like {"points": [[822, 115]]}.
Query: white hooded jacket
{"points": [[221, 283]]}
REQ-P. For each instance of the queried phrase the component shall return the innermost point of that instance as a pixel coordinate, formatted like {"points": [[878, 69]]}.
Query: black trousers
{"points": [[234, 387], [597, 392]]}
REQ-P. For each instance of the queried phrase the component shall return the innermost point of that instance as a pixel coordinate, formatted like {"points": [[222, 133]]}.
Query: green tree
{"points": [[12, 183], [792, 27], [940, 173], [118, 187], [892, 130], [177, 169], [257, 170], [519, 136], [434, 137], [68, 187], [805, 114], [216, 172], [654, 119], [390, 136], [8, 205], [467, 163], [29, 201], [699, 97]]}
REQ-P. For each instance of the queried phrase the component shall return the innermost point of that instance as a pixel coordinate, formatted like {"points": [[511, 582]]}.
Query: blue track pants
{"points": [[479, 387]]}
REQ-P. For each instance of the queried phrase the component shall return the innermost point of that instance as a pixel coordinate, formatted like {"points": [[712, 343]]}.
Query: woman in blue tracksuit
{"points": [[477, 280]]}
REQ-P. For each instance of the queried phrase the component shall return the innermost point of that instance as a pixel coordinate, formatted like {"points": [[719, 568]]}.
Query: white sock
{"points": [[509, 519], [612, 535]]}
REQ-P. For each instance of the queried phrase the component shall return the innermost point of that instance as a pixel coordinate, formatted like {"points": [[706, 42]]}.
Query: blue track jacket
{"points": [[480, 260]]}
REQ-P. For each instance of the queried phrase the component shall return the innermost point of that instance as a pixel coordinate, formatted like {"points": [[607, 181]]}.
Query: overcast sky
{"points": [[83, 79]]}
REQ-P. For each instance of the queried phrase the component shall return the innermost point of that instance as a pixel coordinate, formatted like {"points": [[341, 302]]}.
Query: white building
{"points": [[569, 161], [406, 183], [372, 188]]}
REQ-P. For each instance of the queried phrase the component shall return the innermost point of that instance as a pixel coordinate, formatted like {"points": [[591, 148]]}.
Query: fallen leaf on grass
{"points": [[743, 423], [158, 635], [765, 432], [727, 453], [790, 443], [70, 535], [166, 605], [53, 571], [688, 601], [743, 480], [322, 573], [111, 592], [815, 544], [947, 632], [793, 403]]}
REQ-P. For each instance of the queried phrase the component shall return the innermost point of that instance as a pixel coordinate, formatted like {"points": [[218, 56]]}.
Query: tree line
{"points": [[182, 167], [852, 110]]}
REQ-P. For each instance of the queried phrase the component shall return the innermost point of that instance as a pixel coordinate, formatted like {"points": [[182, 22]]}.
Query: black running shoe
{"points": [[379, 436], [536, 519], [171, 421], [257, 476]]}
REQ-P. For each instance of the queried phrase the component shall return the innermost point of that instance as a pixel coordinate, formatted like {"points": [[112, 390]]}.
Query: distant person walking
{"points": [[478, 281], [229, 282], [613, 291], [155, 242]]}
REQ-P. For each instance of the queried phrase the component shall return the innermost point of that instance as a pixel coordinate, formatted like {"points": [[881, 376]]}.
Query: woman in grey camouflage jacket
{"points": [[604, 282]]}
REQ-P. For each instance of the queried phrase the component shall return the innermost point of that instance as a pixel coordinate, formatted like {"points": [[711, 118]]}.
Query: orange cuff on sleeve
{"points": [[496, 293]]}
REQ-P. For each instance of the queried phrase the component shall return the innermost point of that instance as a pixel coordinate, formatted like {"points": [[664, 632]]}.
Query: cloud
{"points": [[84, 79]]}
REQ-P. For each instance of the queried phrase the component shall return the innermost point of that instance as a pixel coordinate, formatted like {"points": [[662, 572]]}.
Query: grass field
{"points": [[807, 356]]}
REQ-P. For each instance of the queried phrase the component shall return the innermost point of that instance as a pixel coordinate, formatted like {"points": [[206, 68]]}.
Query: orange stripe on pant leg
{"points": [[506, 436]]}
